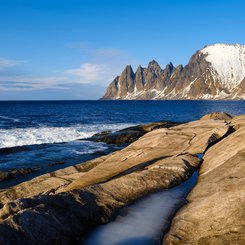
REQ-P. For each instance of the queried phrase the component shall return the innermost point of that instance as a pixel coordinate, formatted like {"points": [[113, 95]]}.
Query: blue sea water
{"points": [[36, 114], [55, 131]]}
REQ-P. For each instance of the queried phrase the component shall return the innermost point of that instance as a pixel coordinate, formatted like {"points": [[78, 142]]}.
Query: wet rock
{"points": [[119, 138], [102, 133], [13, 173], [15, 149], [129, 135]]}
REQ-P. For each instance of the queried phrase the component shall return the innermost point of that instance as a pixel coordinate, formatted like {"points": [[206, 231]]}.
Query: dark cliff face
{"points": [[140, 78], [197, 80], [121, 85]]}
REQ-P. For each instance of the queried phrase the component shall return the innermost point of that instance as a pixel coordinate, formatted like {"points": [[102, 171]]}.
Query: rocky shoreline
{"points": [[62, 207], [116, 140]]}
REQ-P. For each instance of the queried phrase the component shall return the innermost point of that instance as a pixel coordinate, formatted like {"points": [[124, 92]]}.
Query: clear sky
{"points": [[72, 49]]}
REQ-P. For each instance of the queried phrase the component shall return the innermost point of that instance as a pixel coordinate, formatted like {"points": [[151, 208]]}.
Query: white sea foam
{"points": [[41, 135]]}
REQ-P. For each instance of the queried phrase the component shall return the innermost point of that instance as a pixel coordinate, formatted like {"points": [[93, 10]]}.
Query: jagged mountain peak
{"points": [[153, 64], [128, 68], [179, 67], [170, 66], [139, 68], [214, 72], [154, 68]]}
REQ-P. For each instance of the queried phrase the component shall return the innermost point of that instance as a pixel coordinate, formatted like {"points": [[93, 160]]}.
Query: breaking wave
{"points": [[41, 135]]}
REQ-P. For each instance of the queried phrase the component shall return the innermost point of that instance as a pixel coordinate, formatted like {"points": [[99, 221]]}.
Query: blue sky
{"points": [[72, 49]]}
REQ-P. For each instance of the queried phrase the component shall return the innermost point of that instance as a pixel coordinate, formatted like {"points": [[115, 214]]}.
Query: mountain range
{"points": [[214, 72]]}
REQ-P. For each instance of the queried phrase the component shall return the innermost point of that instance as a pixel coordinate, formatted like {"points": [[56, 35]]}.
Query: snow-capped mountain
{"points": [[214, 72]]}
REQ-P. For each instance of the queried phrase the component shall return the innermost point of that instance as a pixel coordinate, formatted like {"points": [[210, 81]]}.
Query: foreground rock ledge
{"points": [[216, 210], [61, 207]]}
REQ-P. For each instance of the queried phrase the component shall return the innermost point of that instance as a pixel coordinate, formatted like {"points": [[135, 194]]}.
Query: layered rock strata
{"points": [[61, 207], [120, 138], [216, 210]]}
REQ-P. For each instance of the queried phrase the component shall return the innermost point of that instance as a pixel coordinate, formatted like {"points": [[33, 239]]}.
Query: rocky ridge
{"points": [[214, 72], [63, 206]]}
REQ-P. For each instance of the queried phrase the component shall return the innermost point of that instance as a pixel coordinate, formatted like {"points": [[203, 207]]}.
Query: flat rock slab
{"points": [[47, 183], [190, 138]]}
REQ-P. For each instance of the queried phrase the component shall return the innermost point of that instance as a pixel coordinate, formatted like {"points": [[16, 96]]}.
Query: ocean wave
{"points": [[9, 119], [41, 135]]}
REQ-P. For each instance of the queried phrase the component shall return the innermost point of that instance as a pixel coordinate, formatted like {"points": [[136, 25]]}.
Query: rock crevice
{"points": [[62, 207]]}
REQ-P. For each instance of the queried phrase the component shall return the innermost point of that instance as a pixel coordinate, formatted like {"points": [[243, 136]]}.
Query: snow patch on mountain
{"points": [[228, 61]]}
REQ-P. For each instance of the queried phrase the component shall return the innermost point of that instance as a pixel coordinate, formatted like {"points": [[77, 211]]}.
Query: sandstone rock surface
{"points": [[68, 216], [191, 138], [216, 210], [63, 206], [217, 116]]}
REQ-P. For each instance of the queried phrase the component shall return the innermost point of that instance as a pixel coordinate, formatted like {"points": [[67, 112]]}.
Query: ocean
{"points": [[54, 132]]}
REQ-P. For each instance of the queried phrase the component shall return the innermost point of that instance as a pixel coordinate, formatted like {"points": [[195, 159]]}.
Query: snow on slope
{"points": [[228, 61]]}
